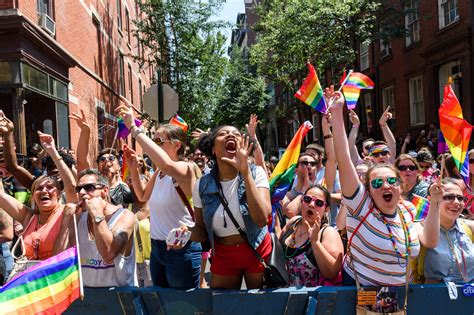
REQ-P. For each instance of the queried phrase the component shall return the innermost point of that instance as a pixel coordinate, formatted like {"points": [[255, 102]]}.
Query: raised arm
{"points": [[428, 233], [257, 153], [179, 170], [353, 136], [142, 190], [330, 166], [13, 207], [350, 180], [47, 142], [82, 152], [388, 135], [406, 142]]}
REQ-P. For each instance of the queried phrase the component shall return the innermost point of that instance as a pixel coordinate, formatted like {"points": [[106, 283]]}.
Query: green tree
{"points": [[182, 41], [244, 93]]}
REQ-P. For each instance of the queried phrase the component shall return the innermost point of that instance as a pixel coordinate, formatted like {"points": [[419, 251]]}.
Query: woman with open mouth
{"points": [[380, 225], [313, 249], [412, 183], [232, 206]]}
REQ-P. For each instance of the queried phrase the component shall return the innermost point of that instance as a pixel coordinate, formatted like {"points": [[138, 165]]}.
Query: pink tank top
{"points": [[40, 239]]}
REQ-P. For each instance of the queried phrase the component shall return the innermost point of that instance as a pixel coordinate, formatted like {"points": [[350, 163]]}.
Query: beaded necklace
{"points": [[453, 252], [406, 232], [293, 241]]}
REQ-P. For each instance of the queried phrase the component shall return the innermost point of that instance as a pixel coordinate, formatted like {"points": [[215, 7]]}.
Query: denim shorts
{"points": [[178, 269]]}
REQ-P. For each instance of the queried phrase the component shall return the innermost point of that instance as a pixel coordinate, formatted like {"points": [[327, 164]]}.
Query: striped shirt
{"points": [[374, 257]]}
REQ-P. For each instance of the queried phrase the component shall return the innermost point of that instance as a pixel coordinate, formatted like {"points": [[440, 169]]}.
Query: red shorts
{"points": [[234, 260]]}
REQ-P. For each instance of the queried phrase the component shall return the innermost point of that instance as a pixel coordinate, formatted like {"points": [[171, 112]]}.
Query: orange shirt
{"points": [[43, 237]]}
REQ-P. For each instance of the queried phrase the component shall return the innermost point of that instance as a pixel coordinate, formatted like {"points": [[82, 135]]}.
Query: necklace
{"points": [[293, 241], [455, 256], [406, 232]]}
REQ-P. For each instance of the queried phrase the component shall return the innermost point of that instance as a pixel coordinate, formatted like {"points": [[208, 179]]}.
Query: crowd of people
{"points": [[348, 218]]}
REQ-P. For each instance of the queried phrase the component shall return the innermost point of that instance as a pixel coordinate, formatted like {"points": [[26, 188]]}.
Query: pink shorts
{"points": [[234, 260]]}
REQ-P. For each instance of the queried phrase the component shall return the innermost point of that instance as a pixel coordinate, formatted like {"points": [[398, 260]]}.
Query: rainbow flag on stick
{"points": [[351, 88], [422, 206], [178, 121], [123, 131], [125, 170], [311, 92], [46, 288], [284, 172], [456, 131]]}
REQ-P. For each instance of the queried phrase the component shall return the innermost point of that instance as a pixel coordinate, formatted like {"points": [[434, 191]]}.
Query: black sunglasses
{"points": [[452, 197], [109, 158], [88, 187], [471, 161], [319, 203], [383, 153], [402, 168], [376, 183], [306, 163]]}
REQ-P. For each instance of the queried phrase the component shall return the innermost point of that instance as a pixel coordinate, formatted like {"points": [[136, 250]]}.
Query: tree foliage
{"points": [[182, 41]]}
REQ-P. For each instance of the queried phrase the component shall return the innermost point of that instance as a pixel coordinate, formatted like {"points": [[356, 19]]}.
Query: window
{"points": [[412, 23], [127, 25], [101, 126], [364, 56], [417, 106], [367, 97], [44, 7], [122, 76], [99, 64], [388, 99], [451, 69], [119, 15], [448, 12], [130, 83]]}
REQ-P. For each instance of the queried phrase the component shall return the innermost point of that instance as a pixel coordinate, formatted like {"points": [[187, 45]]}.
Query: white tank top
{"points": [[95, 271], [167, 211]]}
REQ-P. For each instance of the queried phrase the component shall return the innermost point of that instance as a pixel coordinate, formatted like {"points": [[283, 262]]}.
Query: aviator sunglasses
{"points": [[452, 197], [88, 187], [376, 183], [319, 203]]}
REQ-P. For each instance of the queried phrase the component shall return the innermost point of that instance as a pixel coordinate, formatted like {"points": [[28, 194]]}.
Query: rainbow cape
{"points": [[422, 206], [47, 288], [123, 131], [311, 92], [456, 131], [178, 121], [284, 172], [351, 88]]}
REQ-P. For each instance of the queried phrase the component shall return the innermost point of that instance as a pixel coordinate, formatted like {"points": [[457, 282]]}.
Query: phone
{"points": [[178, 237]]}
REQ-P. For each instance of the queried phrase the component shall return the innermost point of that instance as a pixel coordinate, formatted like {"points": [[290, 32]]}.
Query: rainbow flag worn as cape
{"points": [[422, 206], [456, 131], [351, 89], [284, 172], [178, 121], [123, 131], [311, 92], [46, 288]]}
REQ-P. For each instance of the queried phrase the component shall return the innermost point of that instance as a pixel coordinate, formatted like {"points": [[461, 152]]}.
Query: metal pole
{"points": [[160, 96]]}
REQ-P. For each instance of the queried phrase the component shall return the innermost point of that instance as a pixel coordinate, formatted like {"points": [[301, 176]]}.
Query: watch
{"points": [[136, 131], [99, 218]]}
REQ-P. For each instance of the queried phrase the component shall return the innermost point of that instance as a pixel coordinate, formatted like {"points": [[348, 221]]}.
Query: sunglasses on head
{"points": [[319, 203], [109, 158], [88, 187], [376, 183], [160, 141], [306, 163], [452, 197], [402, 168], [376, 155]]}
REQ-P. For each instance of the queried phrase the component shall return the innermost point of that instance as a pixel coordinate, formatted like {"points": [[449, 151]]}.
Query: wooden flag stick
{"points": [[443, 165]]}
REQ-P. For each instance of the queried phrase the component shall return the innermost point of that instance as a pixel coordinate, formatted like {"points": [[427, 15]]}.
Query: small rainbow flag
{"points": [[178, 121], [311, 92], [125, 170], [46, 288], [355, 82], [422, 206], [123, 131]]}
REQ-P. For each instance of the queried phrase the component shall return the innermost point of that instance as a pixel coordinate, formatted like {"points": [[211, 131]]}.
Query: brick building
{"points": [[59, 57]]}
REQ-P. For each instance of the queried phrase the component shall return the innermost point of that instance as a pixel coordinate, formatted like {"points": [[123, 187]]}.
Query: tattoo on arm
{"points": [[121, 237]]}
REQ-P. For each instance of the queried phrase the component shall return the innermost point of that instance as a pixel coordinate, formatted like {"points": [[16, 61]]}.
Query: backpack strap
{"points": [[185, 200]]}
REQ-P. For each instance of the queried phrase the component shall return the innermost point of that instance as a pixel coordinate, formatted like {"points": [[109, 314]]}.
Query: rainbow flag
{"points": [[311, 92], [442, 146], [456, 130], [178, 121], [123, 131], [125, 170], [351, 88], [282, 176], [422, 206], [46, 288]]}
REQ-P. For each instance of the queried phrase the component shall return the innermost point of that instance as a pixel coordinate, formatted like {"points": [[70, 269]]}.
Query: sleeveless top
{"points": [[40, 239], [95, 271], [302, 267], [167, 210]]}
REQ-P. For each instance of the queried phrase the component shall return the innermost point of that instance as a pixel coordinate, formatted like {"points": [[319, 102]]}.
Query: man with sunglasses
{"points": [[379, 152], [105, 234]]}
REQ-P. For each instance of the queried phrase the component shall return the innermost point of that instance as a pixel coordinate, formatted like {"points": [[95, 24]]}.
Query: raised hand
{"points": [[385, 116], [407, 138], [95, 205], [242, 152], [196, 134], [313, 231], [252, 126], [436, 191], [6, 125], [126, 113], [81, 120], [131, 157], [354, 118], [47, 142]]}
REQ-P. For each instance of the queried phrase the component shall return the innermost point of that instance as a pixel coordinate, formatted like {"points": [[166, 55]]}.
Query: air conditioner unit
{"points": [[47, 23]]}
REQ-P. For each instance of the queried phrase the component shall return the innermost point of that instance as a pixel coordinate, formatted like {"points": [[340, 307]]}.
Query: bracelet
{"points": [[136, 132], [58, 159], [383, 125], [327, 137], [355, 126]]}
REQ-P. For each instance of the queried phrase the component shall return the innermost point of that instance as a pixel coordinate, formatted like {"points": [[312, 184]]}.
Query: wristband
{"points": [[327, 137], [58, 159]]}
